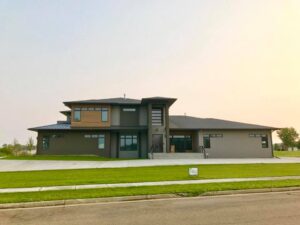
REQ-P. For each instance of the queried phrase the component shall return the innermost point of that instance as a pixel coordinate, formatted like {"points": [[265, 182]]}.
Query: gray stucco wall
{"points": [[143, 118], [114, 145], [237, 144], [129, 118], [144, 145], [73, 143], [115, 115]]}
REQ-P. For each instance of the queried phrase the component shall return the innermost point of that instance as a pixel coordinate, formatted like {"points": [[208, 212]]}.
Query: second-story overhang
{"points": [[159, 100], [108, 101], [68, 127]]}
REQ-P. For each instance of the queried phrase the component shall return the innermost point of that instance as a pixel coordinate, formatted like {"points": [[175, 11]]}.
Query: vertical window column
{"points": [[77, 114], [104, 114], [101, 142], [206, 141], [45, 142], [157, 116]]}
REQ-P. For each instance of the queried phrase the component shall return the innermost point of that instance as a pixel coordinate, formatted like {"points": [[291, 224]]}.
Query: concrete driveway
{"points": [[28, 165]]}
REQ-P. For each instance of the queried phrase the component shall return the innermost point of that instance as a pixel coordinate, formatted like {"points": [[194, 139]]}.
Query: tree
{"points": [[30, 144], [288, 137]]}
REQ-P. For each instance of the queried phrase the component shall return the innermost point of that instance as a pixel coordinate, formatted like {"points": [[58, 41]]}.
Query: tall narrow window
{"points": [[104, 114], [157, 117], [206, 141], [77, 115], [45, 142], [264, 141], [101, 142]]}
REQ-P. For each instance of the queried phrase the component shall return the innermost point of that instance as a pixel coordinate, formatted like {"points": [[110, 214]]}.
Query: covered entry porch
{"points": [[183, 144]]}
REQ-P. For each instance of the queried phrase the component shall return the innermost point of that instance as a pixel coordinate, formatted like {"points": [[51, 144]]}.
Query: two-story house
{"points": [[132, 128]]}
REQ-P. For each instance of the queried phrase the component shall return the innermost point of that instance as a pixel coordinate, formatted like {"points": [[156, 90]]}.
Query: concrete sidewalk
{"points": [[29, 165], [158, 183]]}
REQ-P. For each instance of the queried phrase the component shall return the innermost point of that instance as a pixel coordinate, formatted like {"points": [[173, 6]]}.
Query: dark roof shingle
{"points": [[118, 101], [188, 122]]}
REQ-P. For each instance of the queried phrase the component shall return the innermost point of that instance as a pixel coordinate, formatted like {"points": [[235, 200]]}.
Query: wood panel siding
{"points": [[91, 118]]}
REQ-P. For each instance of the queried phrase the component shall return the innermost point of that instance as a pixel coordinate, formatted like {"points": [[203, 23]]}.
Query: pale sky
{"points": [[235, 60]]}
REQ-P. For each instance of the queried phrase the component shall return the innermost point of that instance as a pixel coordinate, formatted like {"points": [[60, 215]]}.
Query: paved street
{"points": [[250, 209], [27, 165]]}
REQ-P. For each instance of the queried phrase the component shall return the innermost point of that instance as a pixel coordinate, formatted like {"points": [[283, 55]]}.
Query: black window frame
{"points": [[74, 117], [206, 141], [129, 142], [45, 142], [182, 143], [157, 116], [104, 110], [102, 138], [264, 141]]}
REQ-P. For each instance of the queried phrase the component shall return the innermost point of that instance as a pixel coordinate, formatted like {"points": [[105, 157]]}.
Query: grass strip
{"points": [[142, 174], [63, 158], [187, 190], [287, 153]]}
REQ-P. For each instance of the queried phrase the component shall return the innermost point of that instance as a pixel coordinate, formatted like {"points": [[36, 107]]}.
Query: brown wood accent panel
{"points": [[91, 118]]}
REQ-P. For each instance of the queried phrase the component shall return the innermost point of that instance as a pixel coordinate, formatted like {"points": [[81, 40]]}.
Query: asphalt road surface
{"points": [[251, 209]]}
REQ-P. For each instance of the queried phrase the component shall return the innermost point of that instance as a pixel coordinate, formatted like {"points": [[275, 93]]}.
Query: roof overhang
{"points": [[159, 100]]}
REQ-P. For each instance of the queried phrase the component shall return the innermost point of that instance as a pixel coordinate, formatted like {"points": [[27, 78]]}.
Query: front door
{"points": [[157, 142]]}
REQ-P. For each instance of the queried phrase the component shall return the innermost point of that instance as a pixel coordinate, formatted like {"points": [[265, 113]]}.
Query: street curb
{"points": [[250, 191], [138, 198]]}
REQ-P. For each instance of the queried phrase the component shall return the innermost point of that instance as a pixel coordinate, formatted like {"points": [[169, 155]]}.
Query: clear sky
{"points": [[235, 60]]}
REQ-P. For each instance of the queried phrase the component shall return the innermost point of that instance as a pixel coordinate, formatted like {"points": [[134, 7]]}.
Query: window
{"points": [[206, 141], [129, 110], [128, 143], [45, 143], [77, 115], [181, 142], [216, 135], [157, 117], [101, 142], [87, 136], [104, 114], [264, 141]]}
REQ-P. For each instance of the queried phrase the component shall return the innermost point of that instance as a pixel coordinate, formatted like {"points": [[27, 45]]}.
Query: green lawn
{"points": [[189, 190], [62, 157], [141, 174], [287, 153]]}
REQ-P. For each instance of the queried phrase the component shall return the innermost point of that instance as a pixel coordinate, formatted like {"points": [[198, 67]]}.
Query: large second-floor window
{"points": [[157, 117], [104, 114], [77, 115]]}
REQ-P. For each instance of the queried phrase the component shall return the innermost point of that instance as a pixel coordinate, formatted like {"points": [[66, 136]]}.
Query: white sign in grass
{"points": [[193, 171]]}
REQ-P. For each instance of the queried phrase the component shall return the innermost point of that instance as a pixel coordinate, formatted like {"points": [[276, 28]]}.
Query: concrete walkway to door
{"points": [[29, 165]]}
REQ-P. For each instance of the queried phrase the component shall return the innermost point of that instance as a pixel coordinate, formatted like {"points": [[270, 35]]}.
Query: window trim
{"points": [[101, 137], [156, 116], [264, 143], [43, 142], [206, 137], [74, 116], [104, 110], [131, 137]]}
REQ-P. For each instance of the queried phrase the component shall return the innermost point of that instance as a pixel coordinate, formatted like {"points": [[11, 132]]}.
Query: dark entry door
{"points": [[157, 142]]}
